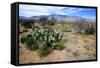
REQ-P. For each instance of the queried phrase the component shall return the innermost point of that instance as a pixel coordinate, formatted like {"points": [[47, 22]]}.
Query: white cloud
{"points": [[33, 10]]}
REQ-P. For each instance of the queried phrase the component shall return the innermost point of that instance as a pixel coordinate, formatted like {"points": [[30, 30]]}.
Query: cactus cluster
{"points": [[43, 40]]}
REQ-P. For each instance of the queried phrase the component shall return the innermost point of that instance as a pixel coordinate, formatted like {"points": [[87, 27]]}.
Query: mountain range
{"points": [[59, 18]]}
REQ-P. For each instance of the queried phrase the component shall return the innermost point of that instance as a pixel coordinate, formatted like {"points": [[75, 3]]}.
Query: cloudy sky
{"points": [[36, 10]]}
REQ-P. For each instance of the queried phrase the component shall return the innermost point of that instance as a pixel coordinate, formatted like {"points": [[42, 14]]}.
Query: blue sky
{"points": [[36, 10]]}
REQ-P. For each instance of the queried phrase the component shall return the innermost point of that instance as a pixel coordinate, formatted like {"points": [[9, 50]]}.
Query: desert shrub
{"points": [[29, 43], [27, 23], [43, 52], [83, 26], [66, 28], [23, 39], [58, 45], [80, 26], [25, 30], [90, 29], [44, 20], [43, 49], [52, 21]]}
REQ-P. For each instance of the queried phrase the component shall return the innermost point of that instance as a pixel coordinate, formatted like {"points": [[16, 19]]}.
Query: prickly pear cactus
{"points": [[45, 38]]}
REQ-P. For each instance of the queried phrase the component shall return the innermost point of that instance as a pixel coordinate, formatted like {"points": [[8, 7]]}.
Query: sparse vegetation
{"points": [[90, 29], [45, 36]]}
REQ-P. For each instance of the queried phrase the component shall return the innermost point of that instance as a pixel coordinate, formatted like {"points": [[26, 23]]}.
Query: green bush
{"points": [[43, 49], [29, 43], [23, 39], [43, 52], [58, 45], [90, 29]]}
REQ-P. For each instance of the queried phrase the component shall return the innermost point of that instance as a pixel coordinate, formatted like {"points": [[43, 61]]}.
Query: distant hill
{"points": [[59, 18]]}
